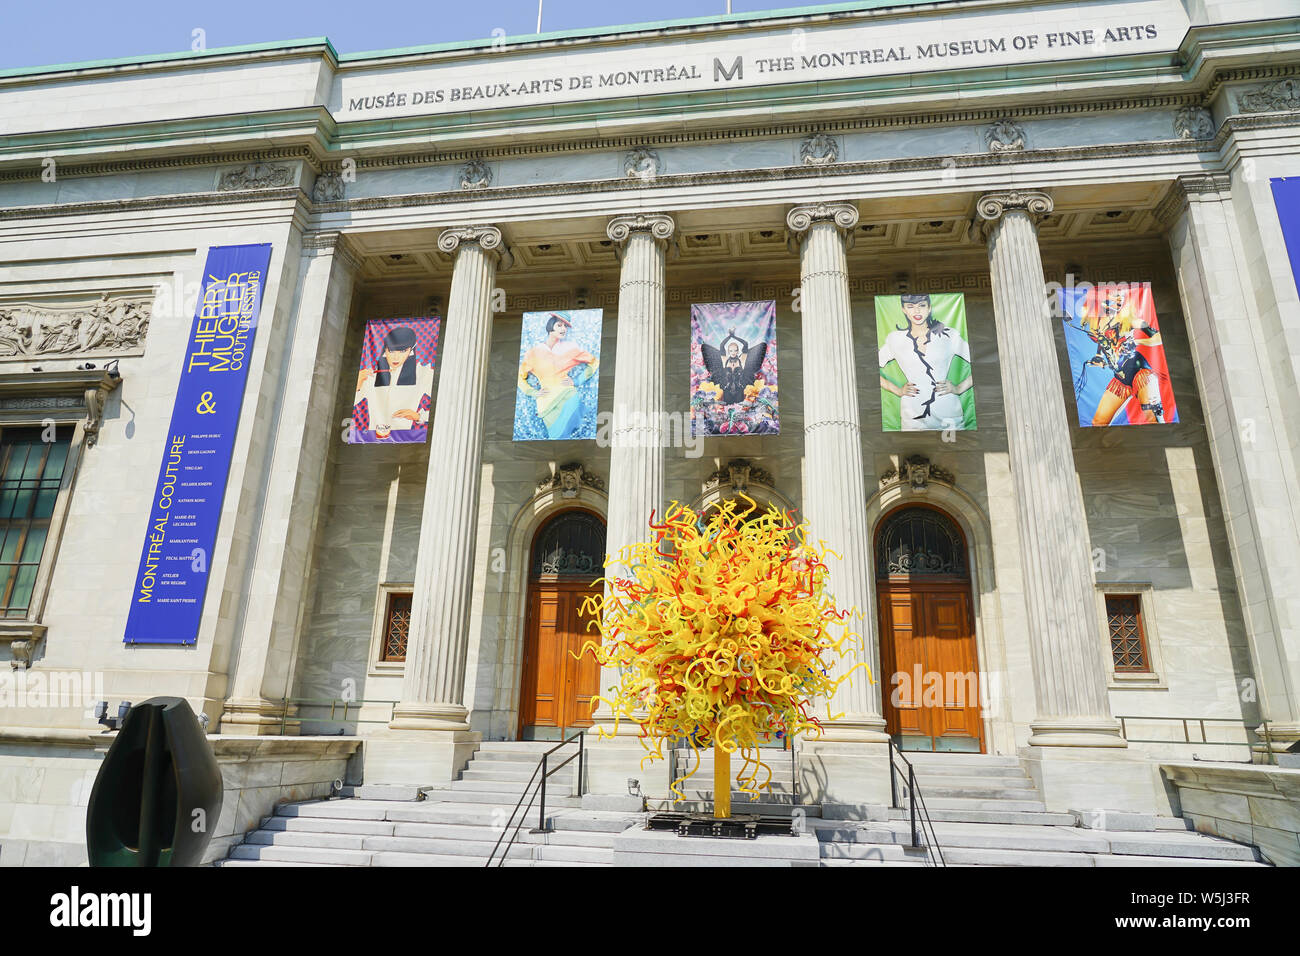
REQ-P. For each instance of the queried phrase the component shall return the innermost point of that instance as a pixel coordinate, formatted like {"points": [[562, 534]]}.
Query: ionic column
{"points": [[636, 464], [848, 763], [1055, 554], [434, 676], [835, 501]]}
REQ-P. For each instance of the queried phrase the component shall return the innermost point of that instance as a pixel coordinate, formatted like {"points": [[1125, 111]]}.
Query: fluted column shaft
{"points": [[1055, 554], [835, 503], [636, 464], [434, 677]]}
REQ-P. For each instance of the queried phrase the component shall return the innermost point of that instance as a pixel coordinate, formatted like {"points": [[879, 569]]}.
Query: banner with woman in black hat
{"points": [[394, 396]]}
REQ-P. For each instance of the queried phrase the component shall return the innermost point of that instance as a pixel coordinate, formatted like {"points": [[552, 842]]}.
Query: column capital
{"points": [[843, 215], [1190, 187], [332, 243], [488, 238], [993, 206], [660, 225]]}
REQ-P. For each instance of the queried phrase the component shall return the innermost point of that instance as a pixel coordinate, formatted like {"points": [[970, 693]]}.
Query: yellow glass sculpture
{"points": [[723, 635]]}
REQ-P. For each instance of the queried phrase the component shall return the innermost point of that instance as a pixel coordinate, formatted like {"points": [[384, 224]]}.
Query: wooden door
{"points": [[930, 683], [557, 685]]}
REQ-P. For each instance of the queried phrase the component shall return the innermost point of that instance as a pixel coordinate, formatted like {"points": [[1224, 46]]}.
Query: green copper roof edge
{"points": [[591, 32], [173, 57], [469, 45]]}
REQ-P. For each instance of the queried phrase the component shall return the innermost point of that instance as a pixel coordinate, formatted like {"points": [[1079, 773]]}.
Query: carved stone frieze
{"points": [[475, 174], [739, 473], [917, 471], [328, 187], [819, 149], [1281, 94], [108, 325], [255, 176], [1194, 122], [1004, 136], [642, 163], [570, 479]]}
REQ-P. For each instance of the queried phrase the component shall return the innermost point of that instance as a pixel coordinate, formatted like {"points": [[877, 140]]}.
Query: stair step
{"points": [[515, 787], [348, 809], [1009, 794], [498, 798], [474, 814], [233, 862], [926, 771], [921, 758], [328, 825], [337, 841], [985, 783], [556, 837], [301, 854], [520, 775], [933, 803], [1032, 817]]}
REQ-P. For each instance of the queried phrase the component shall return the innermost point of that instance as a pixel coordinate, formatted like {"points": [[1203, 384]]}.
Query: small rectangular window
{"points": [[31, 471], [1128, 643], [397, 627]]}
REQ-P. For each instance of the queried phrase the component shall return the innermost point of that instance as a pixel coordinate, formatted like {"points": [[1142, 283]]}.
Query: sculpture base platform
{"points": [[740, 826], [641, 847]]}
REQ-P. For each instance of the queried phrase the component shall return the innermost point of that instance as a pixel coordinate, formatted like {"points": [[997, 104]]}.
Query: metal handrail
{"points": [[914, 796], [540, 789], [1200, 722]]}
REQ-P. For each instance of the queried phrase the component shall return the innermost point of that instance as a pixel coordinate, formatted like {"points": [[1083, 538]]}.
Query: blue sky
{"points": [[33, 33]]}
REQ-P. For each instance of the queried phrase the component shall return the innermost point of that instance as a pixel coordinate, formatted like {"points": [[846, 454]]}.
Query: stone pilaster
{"points": [[636, 464], [847, 763], [300, 424], [1073, 709], [429, 738], [1230, 342]]}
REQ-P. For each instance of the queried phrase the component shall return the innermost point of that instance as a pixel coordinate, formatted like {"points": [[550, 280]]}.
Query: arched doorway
{"points": [[568, 554], [930, 688]]}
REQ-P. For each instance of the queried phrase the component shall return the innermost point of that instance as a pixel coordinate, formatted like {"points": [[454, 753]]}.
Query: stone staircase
{"points": [[457, 825], [986, 812]]}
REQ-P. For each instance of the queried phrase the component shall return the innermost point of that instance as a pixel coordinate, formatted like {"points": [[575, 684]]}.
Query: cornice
{"points": [[116, 206], [323, 157], [1066, 154], [1171, 147]]}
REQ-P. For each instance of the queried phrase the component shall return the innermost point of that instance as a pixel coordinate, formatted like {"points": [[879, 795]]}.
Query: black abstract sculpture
{"points": [[157, 795]]}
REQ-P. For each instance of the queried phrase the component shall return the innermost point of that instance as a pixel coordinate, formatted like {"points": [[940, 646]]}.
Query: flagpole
{"points": [[539, 14]]}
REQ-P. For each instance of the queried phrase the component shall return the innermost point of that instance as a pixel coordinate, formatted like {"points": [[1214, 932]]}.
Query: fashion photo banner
{"points": [[925, 368], [1117, 356], [395, 384], [172, 579], [559, 375], [733, 369]]}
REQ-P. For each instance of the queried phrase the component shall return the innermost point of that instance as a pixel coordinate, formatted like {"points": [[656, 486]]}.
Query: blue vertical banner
{"points": [[167, 600], [1286, 196]]}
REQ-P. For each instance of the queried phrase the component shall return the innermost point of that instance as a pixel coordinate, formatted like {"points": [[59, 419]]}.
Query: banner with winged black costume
{"points": [[1117, 355], [733, 369]]}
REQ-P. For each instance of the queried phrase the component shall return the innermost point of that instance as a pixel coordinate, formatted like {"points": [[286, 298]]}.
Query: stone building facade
{"points": [[818, 160]]}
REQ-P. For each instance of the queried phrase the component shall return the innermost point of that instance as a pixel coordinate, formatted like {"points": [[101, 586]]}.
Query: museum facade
{"points": [[1041, 575]]}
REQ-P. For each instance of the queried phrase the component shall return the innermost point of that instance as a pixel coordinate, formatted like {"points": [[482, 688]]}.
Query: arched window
{"points": [[570, 545], [915, 541]]}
